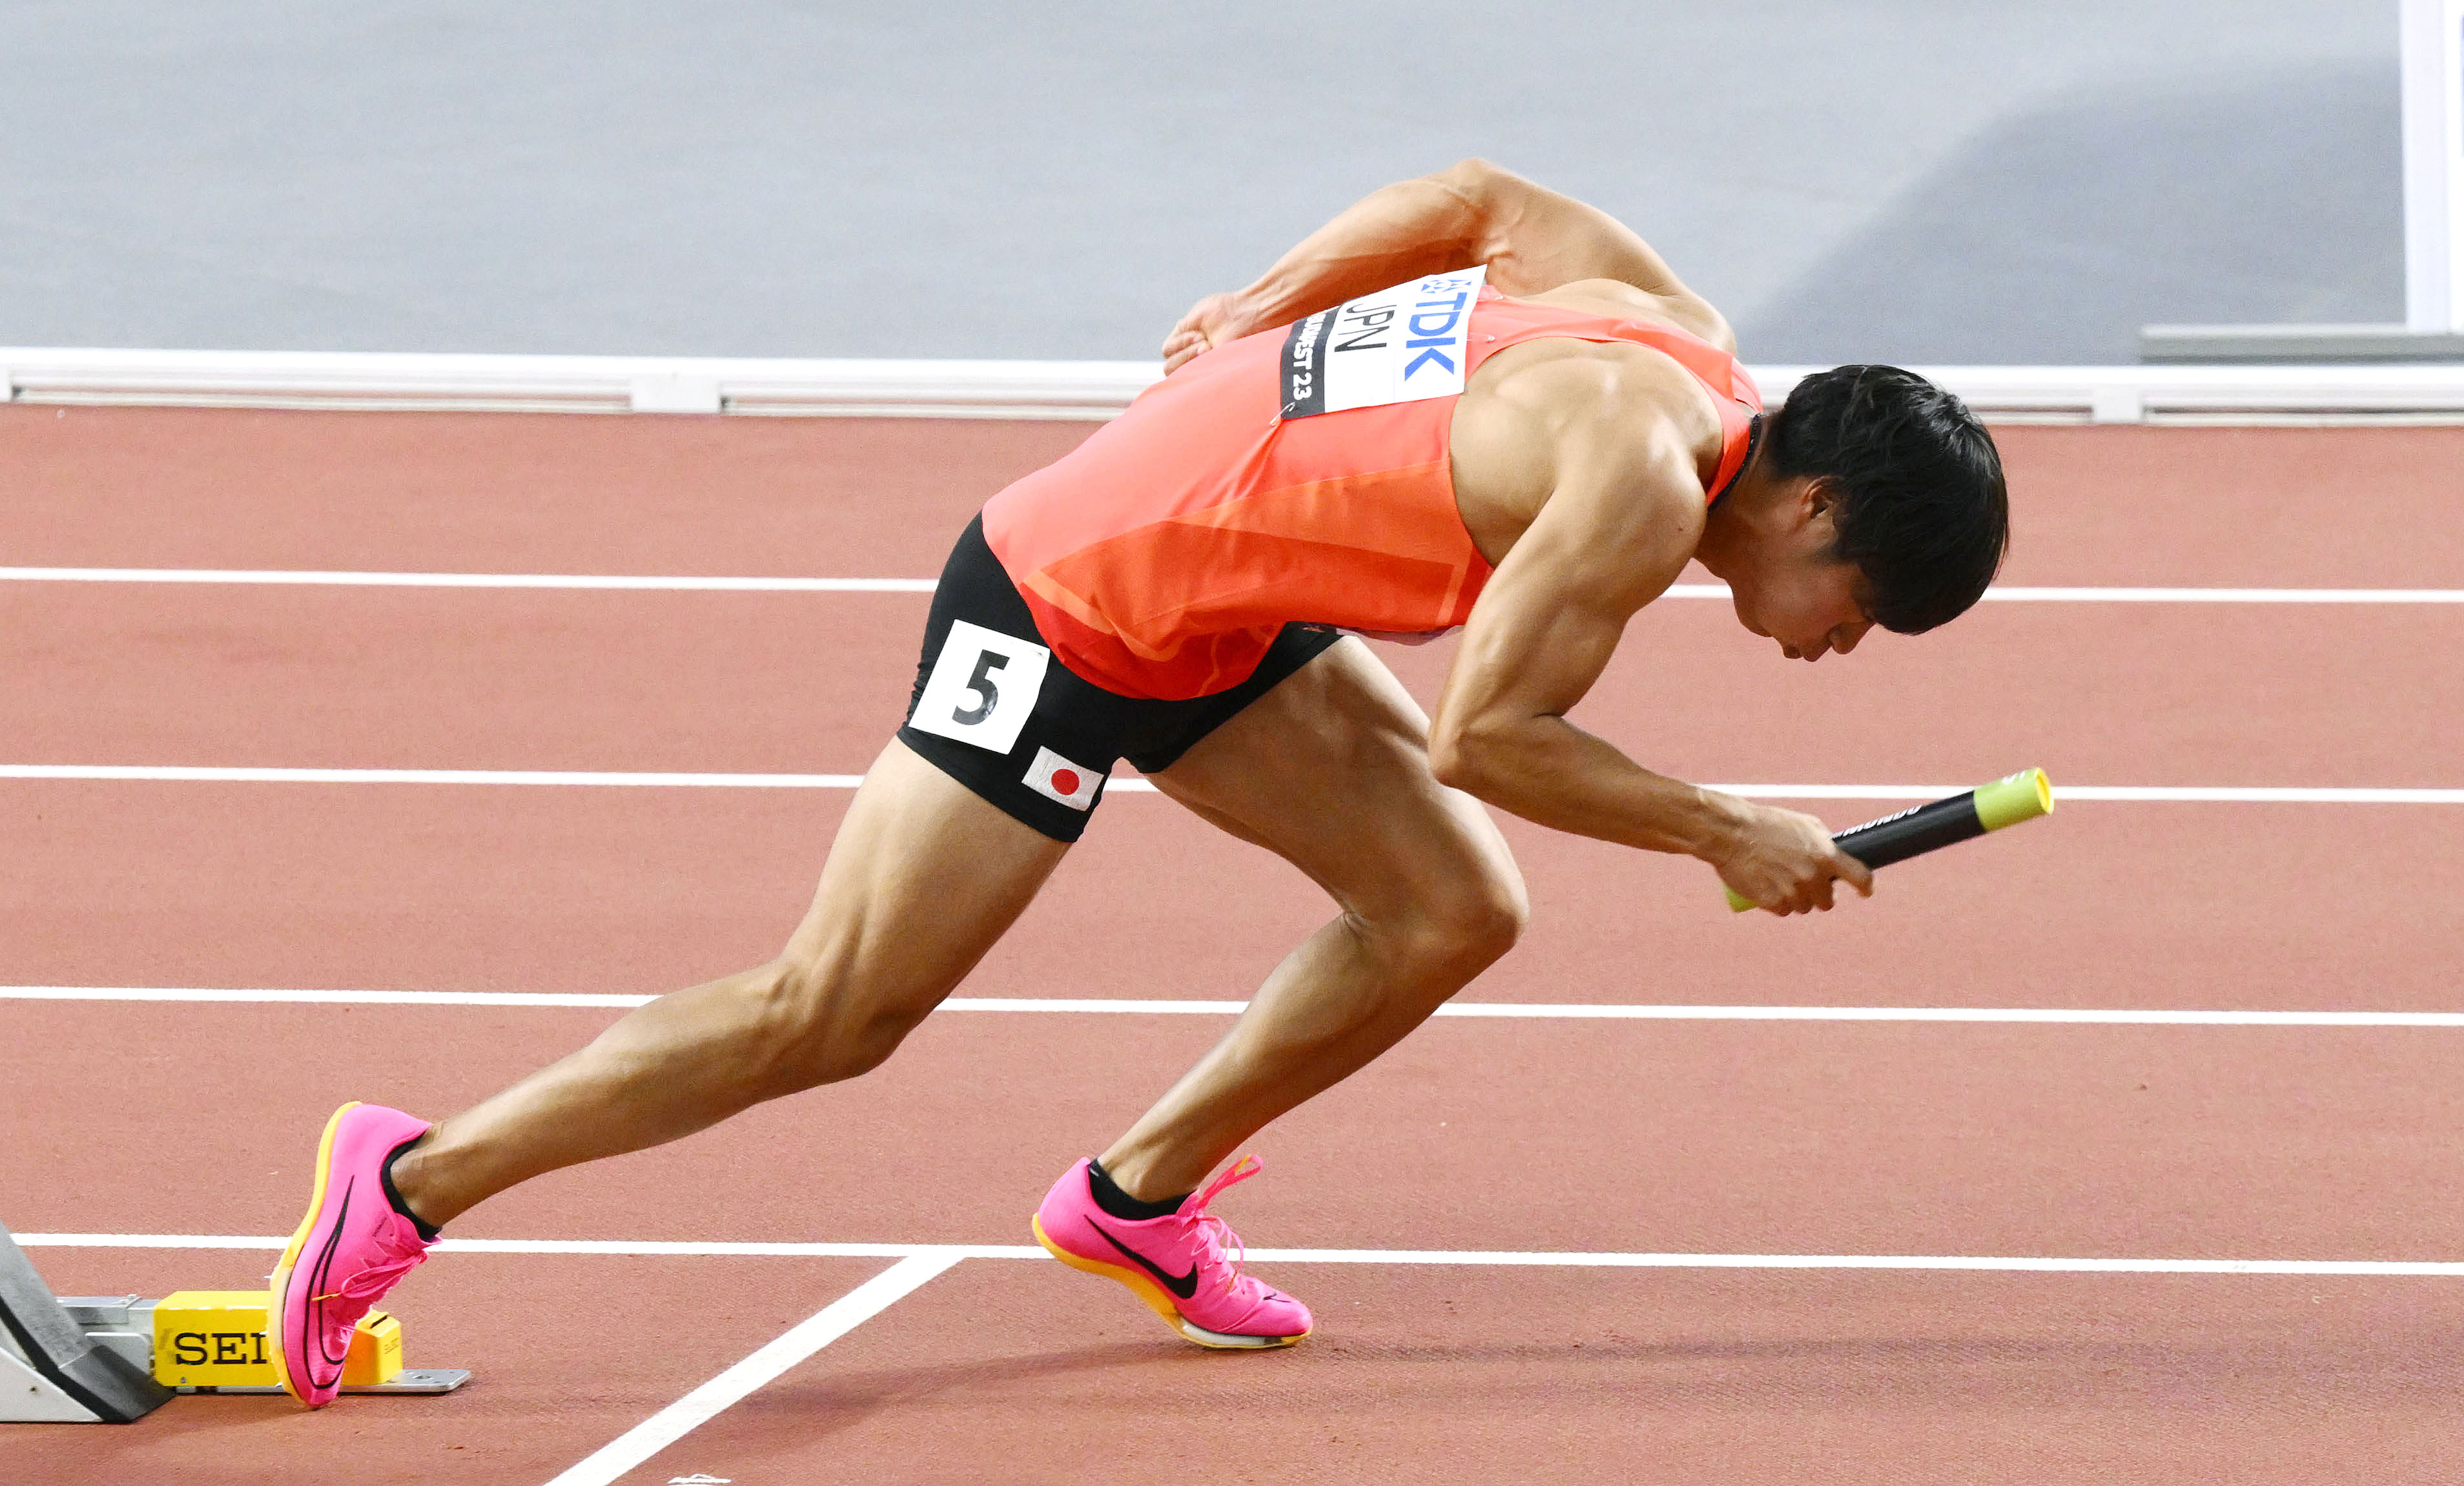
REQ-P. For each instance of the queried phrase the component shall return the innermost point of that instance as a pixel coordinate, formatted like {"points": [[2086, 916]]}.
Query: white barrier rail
{"points": [[1085, 390], [387, 381]]}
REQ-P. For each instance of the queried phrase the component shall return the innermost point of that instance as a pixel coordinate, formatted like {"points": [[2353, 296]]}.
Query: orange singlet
{"points": [[1160, 557]]}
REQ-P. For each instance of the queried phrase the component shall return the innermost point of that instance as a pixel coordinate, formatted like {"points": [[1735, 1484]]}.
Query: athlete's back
{"points": [[1296, 474]]}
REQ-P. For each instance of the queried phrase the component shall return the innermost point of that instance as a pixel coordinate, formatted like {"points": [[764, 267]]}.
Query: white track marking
{"points": [[619, 1247], [320, 997], [2028, 595], [2009, 593], [2140, 794], [2059, 1016], [2136, 794], [2016, 593], [1490, 1010], [1479, 1258], [792, 1347], [2194, 794], [357, 580]]}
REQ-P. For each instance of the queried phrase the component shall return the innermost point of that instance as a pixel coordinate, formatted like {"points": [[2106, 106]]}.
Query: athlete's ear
{"points": [[1815, 503], [1819, 497]]}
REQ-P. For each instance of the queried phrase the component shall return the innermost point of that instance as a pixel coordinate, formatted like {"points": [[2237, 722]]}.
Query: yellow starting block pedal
{"points": [[213, 1342]]}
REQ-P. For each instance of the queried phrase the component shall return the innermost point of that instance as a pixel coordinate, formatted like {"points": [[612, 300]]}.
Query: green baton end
{"points": [[2006, 802], [1739, 902]]}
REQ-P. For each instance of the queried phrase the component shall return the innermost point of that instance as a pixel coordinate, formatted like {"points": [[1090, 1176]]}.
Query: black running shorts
{"points": [[994, 711]]}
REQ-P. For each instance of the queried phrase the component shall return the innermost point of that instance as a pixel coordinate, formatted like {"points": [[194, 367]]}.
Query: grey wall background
{"points": [[1909, 180]]}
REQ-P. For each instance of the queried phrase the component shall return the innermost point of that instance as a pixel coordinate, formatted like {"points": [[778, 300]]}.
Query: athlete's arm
{"points": [[1621, 518], [1531, 240]]}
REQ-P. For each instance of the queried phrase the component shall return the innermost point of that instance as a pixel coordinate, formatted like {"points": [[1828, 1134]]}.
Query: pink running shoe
{"points": [[350, 1250], [1176, 1263]]}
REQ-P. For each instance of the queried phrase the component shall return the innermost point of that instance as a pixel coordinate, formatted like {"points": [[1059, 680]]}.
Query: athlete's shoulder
{"points": [[1610, 393], [1622, 428]]}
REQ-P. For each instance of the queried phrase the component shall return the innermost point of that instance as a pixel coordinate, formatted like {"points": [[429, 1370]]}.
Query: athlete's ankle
{"points": [[400, 1175], [1119, 1200]]}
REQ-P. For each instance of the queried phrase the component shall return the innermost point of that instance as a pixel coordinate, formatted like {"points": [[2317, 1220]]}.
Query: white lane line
{"points": [[2059, 1016], [267, 996], [1477, 1258], [2144, 794], [2134, 794], [620, 1248], [2007, 594], [1533, 1010], [1992, 1263], [2031, 595], [791, 1347], [360, 579]]}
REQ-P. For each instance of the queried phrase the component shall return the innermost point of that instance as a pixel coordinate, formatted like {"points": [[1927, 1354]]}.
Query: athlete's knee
{"points": [[1487, 920], [823, 1028], [1467, 921]]}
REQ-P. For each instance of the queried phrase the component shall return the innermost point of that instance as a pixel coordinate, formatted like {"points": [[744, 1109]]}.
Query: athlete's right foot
{"points": [[1175, 1263], [351, 1248]]}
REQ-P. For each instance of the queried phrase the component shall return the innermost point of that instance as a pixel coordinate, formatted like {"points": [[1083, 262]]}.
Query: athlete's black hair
{"points": [[1924, 513]]}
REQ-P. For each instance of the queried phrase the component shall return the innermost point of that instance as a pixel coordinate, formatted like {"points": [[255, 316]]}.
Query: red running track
{"points": [[1532, 1136]]}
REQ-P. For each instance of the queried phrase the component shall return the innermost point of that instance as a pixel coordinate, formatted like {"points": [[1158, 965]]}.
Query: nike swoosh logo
{"points": [[1181, 1285], [316, 1278]]}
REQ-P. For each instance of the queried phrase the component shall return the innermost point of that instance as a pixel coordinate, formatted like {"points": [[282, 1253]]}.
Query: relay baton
{"points": [[1913, 832]]}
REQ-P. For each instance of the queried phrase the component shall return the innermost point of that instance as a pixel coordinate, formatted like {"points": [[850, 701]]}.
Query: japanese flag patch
{"points": [[1056, 778]]}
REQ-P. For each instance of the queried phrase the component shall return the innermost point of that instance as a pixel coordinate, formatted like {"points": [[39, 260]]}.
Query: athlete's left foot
{"points": [[1177, 1263], [350, 1249]]}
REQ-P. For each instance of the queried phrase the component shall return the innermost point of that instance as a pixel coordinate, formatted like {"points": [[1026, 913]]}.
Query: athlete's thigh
{"points": [[1331, 770], [923, 878]]}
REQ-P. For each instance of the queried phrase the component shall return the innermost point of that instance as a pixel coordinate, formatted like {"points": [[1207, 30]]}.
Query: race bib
{"points": [[983, 688], [1396, 345]]}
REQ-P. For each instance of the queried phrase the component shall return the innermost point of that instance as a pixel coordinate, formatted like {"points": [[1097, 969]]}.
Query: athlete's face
{"points": [[1809, 602], [1774, 549]]}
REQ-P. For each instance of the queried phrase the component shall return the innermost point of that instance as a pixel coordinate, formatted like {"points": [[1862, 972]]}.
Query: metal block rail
{"points": [[50, 1370]]}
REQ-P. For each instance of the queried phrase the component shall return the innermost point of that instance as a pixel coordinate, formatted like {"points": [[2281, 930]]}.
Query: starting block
{"points": [[114, 1359]]}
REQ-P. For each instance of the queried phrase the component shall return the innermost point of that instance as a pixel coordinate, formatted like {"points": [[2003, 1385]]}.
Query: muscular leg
{"points": [[923, 879], [1330, 771]]}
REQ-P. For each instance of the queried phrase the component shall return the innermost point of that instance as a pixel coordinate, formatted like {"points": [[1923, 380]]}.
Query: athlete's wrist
{"points": [[1716, 825], [1262, 306]]}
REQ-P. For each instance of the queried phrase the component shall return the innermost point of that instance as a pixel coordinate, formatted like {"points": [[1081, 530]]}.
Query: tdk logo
{"points": [[1403, 344], [1441, 307]]}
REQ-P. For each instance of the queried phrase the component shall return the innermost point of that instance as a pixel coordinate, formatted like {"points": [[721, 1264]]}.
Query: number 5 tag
{"points": [[983, 688]]}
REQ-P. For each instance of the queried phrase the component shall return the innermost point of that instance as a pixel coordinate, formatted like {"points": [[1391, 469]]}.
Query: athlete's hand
{"points": [[1785, 861], [1209, 323]]}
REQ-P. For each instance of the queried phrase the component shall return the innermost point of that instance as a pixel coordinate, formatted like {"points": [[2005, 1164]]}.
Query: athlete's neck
{"points": [[1741, 520]]}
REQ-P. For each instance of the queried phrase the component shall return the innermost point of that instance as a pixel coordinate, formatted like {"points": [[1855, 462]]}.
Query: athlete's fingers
{"points": [[1185, 330], [1856, 874], [1193, 321], [1189, 339]]}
